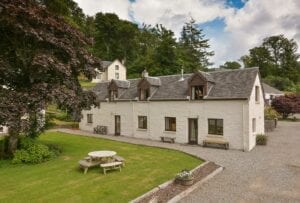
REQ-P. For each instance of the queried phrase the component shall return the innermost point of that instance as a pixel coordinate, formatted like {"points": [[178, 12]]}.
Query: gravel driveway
{"points": [[266, 174]]}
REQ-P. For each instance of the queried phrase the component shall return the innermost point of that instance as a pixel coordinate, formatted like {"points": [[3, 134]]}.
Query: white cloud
{"points": [[174, 13], [245, 27], [119, 7], [258, 19]]}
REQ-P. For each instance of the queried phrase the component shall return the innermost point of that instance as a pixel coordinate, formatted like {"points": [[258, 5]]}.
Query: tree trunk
{"points": [[12, 142]]}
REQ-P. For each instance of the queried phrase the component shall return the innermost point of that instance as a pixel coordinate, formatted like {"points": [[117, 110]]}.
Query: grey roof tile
{"points": [[269, 89], [229, 84]]}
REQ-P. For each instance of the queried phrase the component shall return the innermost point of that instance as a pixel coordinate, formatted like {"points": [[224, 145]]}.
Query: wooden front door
{"points": [[193, 131], [117, 125]]}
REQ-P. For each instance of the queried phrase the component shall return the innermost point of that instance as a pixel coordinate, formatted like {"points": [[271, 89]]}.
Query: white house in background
{"points": [[111, 70], [227, 106], [3, 129], [271, 93]]}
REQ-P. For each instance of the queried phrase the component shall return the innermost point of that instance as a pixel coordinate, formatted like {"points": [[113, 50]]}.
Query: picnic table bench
{"points": [[216, 141], [167, 139], [85, 164], [111, 166]]}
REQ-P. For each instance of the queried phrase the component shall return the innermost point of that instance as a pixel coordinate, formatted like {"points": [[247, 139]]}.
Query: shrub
{"points": [[32, 152], [271, 114], [261, 139], [287, 104]]}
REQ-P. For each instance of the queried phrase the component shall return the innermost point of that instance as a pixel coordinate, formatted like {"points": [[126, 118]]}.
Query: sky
{"points": [[232, 26]]}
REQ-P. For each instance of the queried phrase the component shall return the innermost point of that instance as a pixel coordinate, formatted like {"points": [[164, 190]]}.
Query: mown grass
{"points": [[87, 84], [60, 180]]}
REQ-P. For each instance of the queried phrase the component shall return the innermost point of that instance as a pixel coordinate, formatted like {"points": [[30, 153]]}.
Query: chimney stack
{"points": [[182, 78]]}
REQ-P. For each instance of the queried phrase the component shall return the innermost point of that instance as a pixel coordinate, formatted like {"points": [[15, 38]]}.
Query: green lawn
{"points": [[87, 84], [60, 180]]}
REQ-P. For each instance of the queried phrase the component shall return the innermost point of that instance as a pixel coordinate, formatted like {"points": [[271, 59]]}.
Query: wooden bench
{"points": [[119, 159], [85, 164], [167, 139], [111, 166], [216, 141]]}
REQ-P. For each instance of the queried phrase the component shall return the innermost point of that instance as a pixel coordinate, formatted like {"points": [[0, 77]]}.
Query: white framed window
{"points": [[89, 118], [117, 75], [254, 125], [116, 67]]}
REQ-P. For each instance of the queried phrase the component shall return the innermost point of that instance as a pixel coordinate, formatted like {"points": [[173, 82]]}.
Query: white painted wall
{"points": [[110, 72], [229, 110], [4, 131], [256, 110], [268, 97]]}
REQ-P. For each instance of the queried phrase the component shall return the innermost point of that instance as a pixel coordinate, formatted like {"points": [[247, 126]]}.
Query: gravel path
{"points": [[266, 174]]}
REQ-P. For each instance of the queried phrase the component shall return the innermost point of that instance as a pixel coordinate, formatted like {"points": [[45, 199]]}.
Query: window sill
{"points": [[89, 124], [170, 132], [141, 129]]}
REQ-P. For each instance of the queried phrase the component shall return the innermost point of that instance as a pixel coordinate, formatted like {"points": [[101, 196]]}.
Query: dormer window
{"points": [[199, 84], [144, 94], [197, 92], [113, 94]]}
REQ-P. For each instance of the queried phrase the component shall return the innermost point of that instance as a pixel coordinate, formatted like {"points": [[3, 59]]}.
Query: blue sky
{"points": [[232, 26]]}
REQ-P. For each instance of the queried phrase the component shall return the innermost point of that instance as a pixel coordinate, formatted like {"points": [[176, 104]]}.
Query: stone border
{"points": [[184, 193], [195, 186]]}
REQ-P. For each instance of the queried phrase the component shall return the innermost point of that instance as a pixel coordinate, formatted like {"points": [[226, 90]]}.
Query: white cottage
{"points": [[110, 70], [191, 108], [271, 93]]}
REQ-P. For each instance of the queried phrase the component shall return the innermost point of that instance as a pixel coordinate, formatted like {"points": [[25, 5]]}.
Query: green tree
{"points": [[164, 53], [277, 59], [193, 48], [40, 61], [231, 65], [114, 38]]}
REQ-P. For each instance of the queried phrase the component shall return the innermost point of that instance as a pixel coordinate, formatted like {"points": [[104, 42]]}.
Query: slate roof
{"points": [[122, 83], [229, 84], [271, 90], [105, 64]]}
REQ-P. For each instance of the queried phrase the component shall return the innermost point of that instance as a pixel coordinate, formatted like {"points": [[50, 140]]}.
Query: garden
{"points": [[60, 179]]}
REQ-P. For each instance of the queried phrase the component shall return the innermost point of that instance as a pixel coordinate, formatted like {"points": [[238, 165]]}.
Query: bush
{"points": [[261, 139], [271, 114], [32, 152]]}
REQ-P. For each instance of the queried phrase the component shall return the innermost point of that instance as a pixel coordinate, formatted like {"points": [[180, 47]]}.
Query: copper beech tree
{"points": [[41, 57]]}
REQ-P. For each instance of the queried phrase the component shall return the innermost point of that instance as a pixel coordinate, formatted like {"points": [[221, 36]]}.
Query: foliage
{"points": [[114, 38], [270, 113], [184, 175], [261, 139], [60, 180], [277, 59], [32, 152], [287, 104], [279, 82], [231, 65], [59, 118], [193, 51], [40, 61]]}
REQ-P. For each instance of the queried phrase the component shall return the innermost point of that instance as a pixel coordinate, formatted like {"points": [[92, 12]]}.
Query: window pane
{"points": [[170, 123], [215, 126], [142, 122]]}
